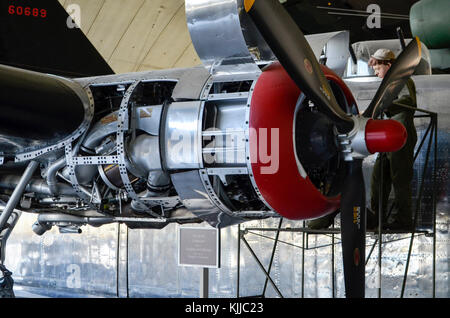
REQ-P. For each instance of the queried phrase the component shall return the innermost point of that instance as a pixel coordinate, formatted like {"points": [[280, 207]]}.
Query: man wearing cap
{"points": [[397, 166]]}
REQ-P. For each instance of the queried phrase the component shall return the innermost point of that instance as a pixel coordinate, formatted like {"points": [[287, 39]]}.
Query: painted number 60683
{"points": [[27, 11]]}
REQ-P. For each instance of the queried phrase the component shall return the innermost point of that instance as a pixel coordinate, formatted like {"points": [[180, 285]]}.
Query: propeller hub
{"points": [[369, 136], [385, 135], [353, 144]]}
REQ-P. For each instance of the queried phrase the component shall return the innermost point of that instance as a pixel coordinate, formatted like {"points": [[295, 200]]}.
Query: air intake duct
{"points": [[39, 106]]}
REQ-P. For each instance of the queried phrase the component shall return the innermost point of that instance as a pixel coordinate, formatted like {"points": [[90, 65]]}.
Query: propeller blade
{"points": [[353, 230], [395, 79], [291, 48]]}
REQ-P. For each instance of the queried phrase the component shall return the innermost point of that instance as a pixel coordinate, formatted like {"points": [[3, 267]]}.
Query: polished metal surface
{"points": [[190, 84], [195, 197], [148, 118], [298, 106], [319, 42], [144, 154], [353, 145], [226, 146], [182, 135], [335, 46], [176, 129], [225, 37], [216, 33]]}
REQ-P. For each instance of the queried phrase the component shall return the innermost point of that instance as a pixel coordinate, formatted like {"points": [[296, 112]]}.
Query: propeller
{"points": [[353, 229], [290, 46], [395, 78]]}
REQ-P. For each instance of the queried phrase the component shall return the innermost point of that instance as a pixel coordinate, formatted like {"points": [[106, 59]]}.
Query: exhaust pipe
{"points": [[37, 186]]}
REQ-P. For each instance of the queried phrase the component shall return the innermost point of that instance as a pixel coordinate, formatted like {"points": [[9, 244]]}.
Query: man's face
{"points": [[381, 69]]}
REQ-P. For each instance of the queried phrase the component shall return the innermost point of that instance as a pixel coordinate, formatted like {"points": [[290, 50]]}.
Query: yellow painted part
{"points": [[420, 46], [248, 4]]}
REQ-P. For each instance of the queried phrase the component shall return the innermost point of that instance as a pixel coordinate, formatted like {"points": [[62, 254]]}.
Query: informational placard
{"points": [[199, 247]]}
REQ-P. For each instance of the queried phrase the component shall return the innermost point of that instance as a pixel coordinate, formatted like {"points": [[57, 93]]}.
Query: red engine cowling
{"points": [[272, 107]]}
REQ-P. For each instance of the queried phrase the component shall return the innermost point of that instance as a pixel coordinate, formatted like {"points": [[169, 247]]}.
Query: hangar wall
{"points": [[95, 264]]}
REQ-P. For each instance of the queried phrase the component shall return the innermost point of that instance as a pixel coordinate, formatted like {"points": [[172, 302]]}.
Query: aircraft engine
{"points": [[244, 136], [245, 148], [229, 141]]}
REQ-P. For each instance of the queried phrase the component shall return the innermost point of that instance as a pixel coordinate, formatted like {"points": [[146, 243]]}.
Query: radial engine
{"points": [[232, 140]]}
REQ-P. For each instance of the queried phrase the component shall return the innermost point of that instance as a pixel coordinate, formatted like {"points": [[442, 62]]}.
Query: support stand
{"points": [[432, 139], [6, 283], [204, 283], [8, 220]]}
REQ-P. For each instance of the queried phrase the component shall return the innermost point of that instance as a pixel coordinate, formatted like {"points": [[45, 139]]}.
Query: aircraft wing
{"points": [[39, 36]]}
